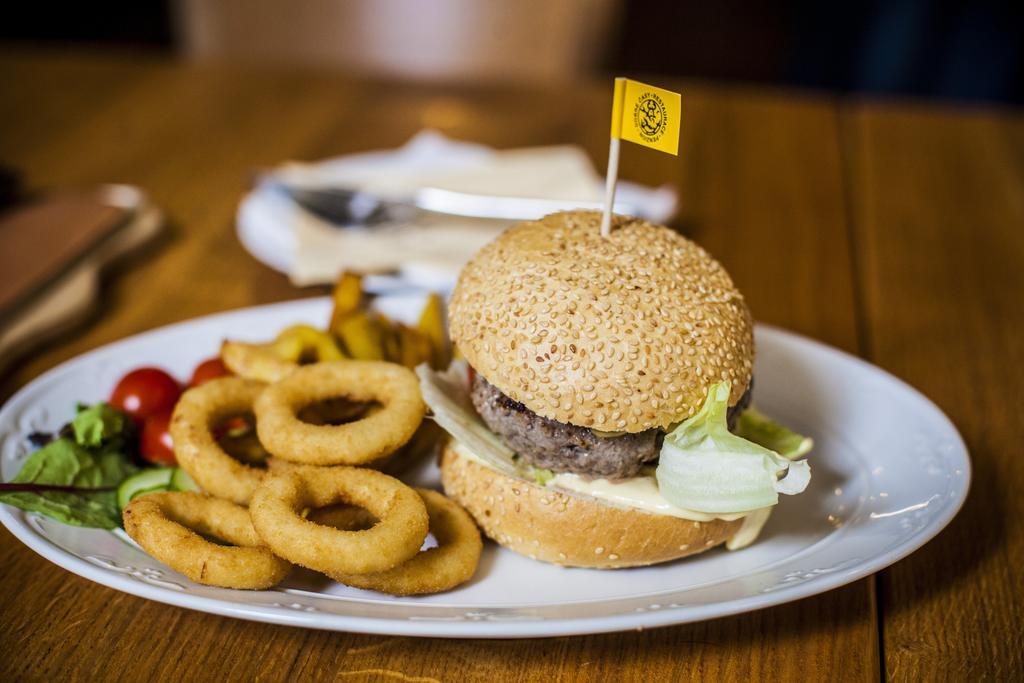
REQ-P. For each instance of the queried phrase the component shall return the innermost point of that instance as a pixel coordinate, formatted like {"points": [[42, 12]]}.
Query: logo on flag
{"points": [[650, 117], [646, 115]]}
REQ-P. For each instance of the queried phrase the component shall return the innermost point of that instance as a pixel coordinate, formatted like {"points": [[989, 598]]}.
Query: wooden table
{"points": [[892, 230]]}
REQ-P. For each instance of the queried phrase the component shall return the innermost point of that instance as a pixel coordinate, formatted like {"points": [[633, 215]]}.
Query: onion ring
{"points": [[378, 434], [423, 443], [344, 517], [255, 361], [451, 563], [278, 359], [278, 503], [165, 525], [198, 411]]}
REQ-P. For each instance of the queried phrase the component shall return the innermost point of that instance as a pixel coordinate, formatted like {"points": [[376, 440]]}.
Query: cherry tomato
{"points": [[210, 368], [144, 392], [155, 444]]}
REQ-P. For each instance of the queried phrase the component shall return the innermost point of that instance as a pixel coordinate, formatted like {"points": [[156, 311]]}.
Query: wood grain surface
{"points": [[893, 233], [938, 201]]}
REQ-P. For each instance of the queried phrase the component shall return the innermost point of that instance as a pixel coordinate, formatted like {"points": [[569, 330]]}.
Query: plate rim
{"points": [[485, 626]]}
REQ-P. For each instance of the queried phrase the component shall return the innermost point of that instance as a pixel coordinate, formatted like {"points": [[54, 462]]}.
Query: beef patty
{"points": [[562, 447]]}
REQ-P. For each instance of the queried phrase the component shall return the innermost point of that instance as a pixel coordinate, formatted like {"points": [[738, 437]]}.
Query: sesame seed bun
{"points": [[571, 529], [623, 333]]}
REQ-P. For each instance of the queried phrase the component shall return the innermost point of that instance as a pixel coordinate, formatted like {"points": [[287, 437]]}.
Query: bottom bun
{"points": [[568, 529]]}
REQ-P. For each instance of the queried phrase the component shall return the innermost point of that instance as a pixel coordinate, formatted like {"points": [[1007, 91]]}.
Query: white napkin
{"points": [[430, 251]]}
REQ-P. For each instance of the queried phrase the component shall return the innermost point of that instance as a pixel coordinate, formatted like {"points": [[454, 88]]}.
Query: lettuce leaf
{"points": [[446, 395], [541, 475], [752, 425], [705, 467], [95, 458], [98, 424]]}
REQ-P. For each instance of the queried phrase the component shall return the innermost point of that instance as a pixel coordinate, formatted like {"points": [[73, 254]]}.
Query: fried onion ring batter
{"points": [[279, 502], [166, 526], [377, 435], [279, 358], [434, 570], [198, 411]]}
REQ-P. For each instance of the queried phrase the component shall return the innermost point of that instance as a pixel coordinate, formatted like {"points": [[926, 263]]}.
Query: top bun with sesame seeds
{"points": [[621, 334]]}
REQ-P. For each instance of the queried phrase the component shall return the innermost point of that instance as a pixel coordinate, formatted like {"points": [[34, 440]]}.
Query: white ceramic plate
{"points": [[890, 471]]}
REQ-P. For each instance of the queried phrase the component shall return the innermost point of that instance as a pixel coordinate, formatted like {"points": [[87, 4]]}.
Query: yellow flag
{"points": [[646, 115]]}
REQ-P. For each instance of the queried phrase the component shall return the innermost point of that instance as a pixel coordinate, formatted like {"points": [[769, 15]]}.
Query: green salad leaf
{"points": [[541, 475], [98, 424], [754, 426], [705, 467], [73, 479]]}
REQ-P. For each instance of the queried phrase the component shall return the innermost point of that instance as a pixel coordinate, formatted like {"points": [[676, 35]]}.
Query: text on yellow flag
{"points": [[646, 115]]}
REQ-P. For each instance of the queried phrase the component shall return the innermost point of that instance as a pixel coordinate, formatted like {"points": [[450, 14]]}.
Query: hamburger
{"points": [[602, 417]]}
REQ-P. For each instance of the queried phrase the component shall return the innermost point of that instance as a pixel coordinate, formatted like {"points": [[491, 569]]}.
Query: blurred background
{"points": [[944, 49]]}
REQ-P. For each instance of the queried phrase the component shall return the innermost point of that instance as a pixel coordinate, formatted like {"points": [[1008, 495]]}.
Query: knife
{"points": [[346, 207]]}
